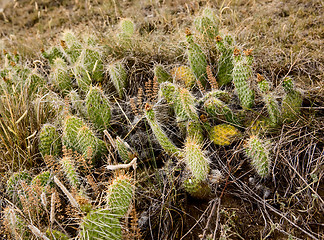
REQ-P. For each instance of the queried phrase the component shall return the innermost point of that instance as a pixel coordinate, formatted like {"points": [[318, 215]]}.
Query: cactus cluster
{"points": [[201, 107]]}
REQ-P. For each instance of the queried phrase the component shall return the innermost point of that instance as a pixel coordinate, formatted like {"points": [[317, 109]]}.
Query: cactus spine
{"points": [[257, 150], [49, 141], [118, 76], [98, 108], [120, 195], [242, 72]]}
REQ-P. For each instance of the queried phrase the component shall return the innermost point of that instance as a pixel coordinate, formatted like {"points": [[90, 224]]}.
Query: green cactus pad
{"points": [[82, 77], [127, 26], [91, 61], [70, 171], [242, 73], [225, 63], [197, 60], [52, 54], [71, 45], [60, 76], [98, 108], [218, 109], [118, 76], [197, 189], [100, 224], [160, 135], [161, 74], [120, 194], [257, 150], [72, 125], [291, 102], [195, 159], [49, 141], [43, 179], [124, 150]]}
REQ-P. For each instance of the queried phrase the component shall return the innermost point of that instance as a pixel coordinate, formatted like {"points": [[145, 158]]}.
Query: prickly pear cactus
{"points": [[242, 73], [258, 150], [43, 179], [120, 194], [197, 189], [270, 101], [88, 143], [181, 100], [194, 130], [53, 53], [98, 108], [14, 184], [49, 141], [123, 149], [82, 77], [35, 82], [291, 102], [100, 224], [223, 134], [69, 169], [161, 74], [206, 27], [183, 76], [225, 63], [72, 125], [15, 224], [127, 26], [71, 45], [160, 135], [195, 159], [60, 76], [118, 76], [91, 60], [218, 109], [125, 36], [197, 60]]}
